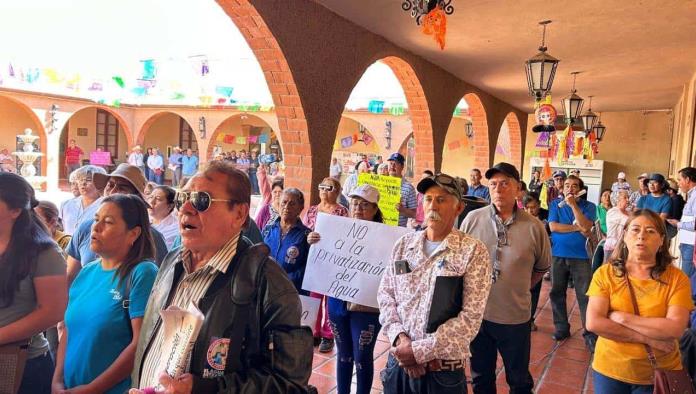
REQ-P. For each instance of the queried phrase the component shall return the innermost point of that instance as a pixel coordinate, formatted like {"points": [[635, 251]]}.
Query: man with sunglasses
{"points": [[519, 249], [252, 311], [125, 179], [428, 355]]}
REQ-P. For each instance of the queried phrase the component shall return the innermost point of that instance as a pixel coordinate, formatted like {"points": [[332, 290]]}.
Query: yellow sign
{"points": [[389, 194]]}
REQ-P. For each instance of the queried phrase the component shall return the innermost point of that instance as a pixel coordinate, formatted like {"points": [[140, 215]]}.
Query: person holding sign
{"points": [[432, 297], [355, 326], [520, 255], [107, 301], [409, 201], [329, 190]]}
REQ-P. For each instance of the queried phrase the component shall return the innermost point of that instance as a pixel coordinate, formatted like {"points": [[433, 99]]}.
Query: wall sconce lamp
{"points": [[201, 126], [469, 130], [52, 118], [388, 133]]}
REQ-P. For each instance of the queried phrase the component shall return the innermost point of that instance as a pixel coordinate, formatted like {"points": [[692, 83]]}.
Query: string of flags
{"points": [[243, 140]]}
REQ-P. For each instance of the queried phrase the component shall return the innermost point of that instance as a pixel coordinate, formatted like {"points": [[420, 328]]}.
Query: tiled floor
{"points": [[557, 368]]}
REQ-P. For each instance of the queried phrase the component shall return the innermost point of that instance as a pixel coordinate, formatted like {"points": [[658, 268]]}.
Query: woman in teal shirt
{"points": [[602, 208], [101, 331]]}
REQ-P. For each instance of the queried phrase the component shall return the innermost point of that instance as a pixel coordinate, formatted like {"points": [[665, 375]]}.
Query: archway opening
{"points": [[459, 151], [16, 117]]}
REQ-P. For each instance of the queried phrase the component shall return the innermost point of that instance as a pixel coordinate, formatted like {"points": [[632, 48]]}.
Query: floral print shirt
{"points": [[310, 219], [405, 299]]}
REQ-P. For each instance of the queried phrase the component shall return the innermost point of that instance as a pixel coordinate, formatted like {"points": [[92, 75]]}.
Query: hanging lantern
{"points": [[589, 118], [599, 129], [541, 69], [572, 104]]}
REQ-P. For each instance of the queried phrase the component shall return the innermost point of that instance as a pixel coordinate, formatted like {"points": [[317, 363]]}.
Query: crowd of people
{"points": [[83, 285]]}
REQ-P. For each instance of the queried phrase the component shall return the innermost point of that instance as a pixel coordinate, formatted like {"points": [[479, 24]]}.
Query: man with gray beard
{"points": [[431, 340], [520, 254]]}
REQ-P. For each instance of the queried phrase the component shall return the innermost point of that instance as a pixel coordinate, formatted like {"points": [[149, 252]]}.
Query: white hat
{"points": [[367, 192], [622, 175]]}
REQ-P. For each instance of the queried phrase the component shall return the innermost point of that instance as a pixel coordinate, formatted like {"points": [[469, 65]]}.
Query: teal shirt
{"points": [[98, 328], [602, 217]]}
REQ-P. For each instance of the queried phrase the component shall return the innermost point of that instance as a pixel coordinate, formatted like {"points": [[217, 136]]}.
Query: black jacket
{"points": [[268, 350]]}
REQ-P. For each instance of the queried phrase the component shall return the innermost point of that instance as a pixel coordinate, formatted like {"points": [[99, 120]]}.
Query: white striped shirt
{"points": [[191, 288]]}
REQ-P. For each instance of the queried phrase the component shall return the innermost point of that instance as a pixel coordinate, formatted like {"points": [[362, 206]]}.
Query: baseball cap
{"points": [[621, 175], [125, 171], [656, 177], [505, 169], [447, 182], [367, 192], [397, 157], [643, 175], [560, 173]]}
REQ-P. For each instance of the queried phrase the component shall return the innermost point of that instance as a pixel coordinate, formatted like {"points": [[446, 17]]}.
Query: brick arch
{"points": [[418, 111], [122, 122], [480, 121], [515, 135], [39, 129], [152, 119], [292, 124], [213, 137]]}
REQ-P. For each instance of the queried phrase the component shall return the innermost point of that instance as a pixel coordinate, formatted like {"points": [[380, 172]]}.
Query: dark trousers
{"points": [[355, 334], [536, 292], [396, 381], [513, 341], [38, 375], [561, 269], [254, 182], [606, 385]]}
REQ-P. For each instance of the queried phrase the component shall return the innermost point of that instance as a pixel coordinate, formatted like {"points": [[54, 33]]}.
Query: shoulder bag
{"points": [[665, 381]]}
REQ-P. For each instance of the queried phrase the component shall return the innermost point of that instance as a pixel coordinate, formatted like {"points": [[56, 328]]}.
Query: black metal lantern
{"points": [[201, 126], [599, 130], [572, 104], [589, 118], [541, 69], [469, 130]]}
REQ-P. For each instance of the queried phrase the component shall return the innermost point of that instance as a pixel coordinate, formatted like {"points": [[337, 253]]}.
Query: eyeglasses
{"points": [[200, 201], [363, 205], [327, 188]]}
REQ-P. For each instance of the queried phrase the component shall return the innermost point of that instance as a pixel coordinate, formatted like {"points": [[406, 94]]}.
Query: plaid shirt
{"points": [[405, 299]]}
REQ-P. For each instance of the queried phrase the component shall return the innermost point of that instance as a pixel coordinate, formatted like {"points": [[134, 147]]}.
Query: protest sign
{"points": [[349, 260], [310, 310], [100, 158], [389, 194]]}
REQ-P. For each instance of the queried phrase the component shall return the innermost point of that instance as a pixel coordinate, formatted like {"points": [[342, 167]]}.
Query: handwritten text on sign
{"points": [[310, 310], [350, 259], [389, 194]]}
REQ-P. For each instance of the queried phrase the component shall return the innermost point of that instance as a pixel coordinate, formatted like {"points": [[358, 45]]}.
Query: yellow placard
{"points": [[389, 188]]}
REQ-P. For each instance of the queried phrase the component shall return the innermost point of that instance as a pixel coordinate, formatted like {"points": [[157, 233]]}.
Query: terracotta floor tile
{"points": [[552, 388], [324, 384]]}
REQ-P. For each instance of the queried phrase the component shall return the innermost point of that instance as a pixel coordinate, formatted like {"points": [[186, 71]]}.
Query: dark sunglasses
{"points": [[200, 201], [328, 188]]}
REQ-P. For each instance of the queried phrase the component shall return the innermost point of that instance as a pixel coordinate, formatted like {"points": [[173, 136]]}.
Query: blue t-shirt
{"points": [[662, 204], [189, 165], [78, 248], [290, 251], [480, 191], [98, 329], [569, 245]]}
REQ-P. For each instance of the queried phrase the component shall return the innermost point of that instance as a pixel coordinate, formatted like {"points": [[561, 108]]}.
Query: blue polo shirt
{"points": [[569, 245], [78, 248], [290, 251], [662, 204], [189, 165], [480, 191]]}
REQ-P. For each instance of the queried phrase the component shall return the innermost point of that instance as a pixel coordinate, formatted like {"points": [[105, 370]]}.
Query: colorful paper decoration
{"points": [[53, 76], [225, 91], [10, 70], [435, 24], [119, 81], [149, 69], [116, 103], [397, 109], [96, 87], [253, 139], [263, 138], [147, 83], [178, 96], [543, 140], [228, 139], [457, 111], [241, 140], [206, 100], [367, 139], [375, 106], [346, 142], [139, 91]]}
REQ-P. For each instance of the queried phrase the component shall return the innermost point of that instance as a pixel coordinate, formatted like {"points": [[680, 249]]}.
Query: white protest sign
{"points": [[350, 259], [310, 310]]}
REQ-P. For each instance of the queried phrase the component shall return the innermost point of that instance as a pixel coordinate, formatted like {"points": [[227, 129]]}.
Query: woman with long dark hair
{"points": [[107, 301], [640, 270], [33, 286]]}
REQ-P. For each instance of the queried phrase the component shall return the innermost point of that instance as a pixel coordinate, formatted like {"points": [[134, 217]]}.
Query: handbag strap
{"points": [[651, 354]]}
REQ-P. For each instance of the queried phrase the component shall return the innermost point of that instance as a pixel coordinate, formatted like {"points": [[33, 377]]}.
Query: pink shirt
{"points": [[310, 218]]}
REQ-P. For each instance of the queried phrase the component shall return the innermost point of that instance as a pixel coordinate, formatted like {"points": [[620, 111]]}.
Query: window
{"points": [[186, 138], [107, 132]]}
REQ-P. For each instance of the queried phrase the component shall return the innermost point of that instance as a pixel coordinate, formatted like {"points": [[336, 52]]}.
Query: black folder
{"points": [[446, 302]]}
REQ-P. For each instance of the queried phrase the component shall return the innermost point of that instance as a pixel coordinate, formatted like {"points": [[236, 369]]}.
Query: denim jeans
{"points": [[38, 375], [355, 334], [606, 385], [687, 259], [254, 182], [513, 341], [396, 381], [561, 269]]}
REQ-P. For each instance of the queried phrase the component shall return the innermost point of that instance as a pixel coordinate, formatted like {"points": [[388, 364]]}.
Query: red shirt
{"points": [[72, 155]]}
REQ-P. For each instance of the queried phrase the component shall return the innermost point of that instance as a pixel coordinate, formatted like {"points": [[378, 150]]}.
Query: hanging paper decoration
{"points": [[253, 139], [116, 103], [221, 100], [500, 150], [367, 139], [149, 69], [346, 142], [139, 91], [225, 91], [397, 109], [579, 146], [457, 111], [95, 87], [206, 100], [562, 151], [10, 71], [263, 138], [33, 75], [375, 106], [119, 81], [74, 82], [228, 139], [266, 108], [52, 76], [544, 196], [205, 70], [101, 101], [435, 24], [545, 116], [241, 140], [543, 140], [249, 107], [147, 83], [453, 145], [178, 96]]}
